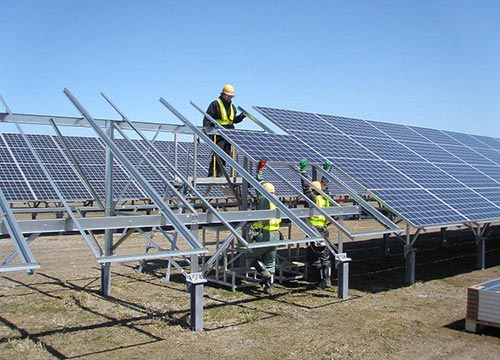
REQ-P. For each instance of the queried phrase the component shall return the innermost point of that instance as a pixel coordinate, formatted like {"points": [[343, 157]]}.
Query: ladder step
{"points": [[263, 244], [150, 256]]}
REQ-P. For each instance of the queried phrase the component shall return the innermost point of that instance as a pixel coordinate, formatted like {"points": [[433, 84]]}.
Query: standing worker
{"points": [[317, 254], [264, 259], [223, 111]]}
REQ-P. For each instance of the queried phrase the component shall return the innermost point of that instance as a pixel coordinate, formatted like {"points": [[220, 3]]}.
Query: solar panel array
{"points": [[22, 178], [428, 177]]}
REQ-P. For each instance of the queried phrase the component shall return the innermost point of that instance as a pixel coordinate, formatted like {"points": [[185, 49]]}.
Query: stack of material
{"points": [[483, 305]]}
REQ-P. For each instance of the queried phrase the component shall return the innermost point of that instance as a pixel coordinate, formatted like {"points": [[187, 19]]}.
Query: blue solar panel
{"points": [[466, 139], [272, 147], [401, 132], [435, 136], [491, 285], [468, 203], [373, 174], [467, 155], [426, 175], [436, 170], [339, 146], [350, 126], [296, 120], [432, 152], [490, 154], [491, 142], [468, 175], [386, 149]]}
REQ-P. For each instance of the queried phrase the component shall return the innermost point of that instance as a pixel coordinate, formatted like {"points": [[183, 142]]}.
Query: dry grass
{"points": [[59, 313]]}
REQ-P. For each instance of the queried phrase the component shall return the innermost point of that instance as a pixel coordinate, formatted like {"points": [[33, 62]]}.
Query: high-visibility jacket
{"points": [[268, 225], [320, 220], [225, 120]]}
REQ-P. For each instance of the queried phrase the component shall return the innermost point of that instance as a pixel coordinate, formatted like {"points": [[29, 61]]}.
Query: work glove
{"points": [[261, 165], [303, 165], [327, 165]]}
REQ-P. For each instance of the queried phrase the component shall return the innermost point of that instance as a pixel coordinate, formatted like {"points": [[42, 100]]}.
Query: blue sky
{"points": [[431, 63]]}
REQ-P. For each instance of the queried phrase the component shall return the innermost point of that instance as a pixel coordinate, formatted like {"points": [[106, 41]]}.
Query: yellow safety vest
{"points": [[268, 225], [225, 120], [320, 220]]}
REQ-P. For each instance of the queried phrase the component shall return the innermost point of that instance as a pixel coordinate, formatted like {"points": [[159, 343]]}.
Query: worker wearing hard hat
{"points": [[223, 111], [317, 254], [264, 259]]}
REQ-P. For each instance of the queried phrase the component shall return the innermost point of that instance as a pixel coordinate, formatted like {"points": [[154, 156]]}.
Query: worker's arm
{"points": [[324, 181], [214, 111], [238, 118], [306, 187]]}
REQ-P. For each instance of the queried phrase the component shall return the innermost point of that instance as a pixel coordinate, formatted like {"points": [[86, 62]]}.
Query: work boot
{"points": [[265, 275], [268, 285], [326, 281]]}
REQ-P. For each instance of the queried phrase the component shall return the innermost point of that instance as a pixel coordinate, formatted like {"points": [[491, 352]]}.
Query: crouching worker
{"points": [[264, 259], [317, 254]]}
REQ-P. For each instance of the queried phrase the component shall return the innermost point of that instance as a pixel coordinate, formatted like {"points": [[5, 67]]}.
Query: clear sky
{"points": [[430, 63]]}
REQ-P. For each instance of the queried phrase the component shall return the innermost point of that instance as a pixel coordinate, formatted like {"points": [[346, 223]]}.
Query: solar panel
{"points": [[272, 147], [424, 175]]}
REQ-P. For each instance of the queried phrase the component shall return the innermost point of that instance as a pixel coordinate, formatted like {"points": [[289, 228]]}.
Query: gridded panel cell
{"points": [[82, 143], [491, 142], [490, 154], [387, 149], [469, 176], [33, 172], [23, 155], [432, 153], [399, 132], [466, 139], [129, 189], [90, 157], [5, 156], [467, 155], [351, 126], [473, 206], [419, 207], [42, 141], [73, 190], [272, 147], [436, 136], [10, 172], [14, 140], [492, 172], [51, 156], [16, 191], [492, 194], [296, 120], [426, 175], [62, 172], [374, 174], [44, 191], [339, 146]]}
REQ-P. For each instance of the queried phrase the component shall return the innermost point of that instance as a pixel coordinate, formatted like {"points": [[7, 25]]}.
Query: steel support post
{"points": [[410, 255], [444, 241], [195, 283], [481, 252], [385, 245], [342, 265], [109, 210]]}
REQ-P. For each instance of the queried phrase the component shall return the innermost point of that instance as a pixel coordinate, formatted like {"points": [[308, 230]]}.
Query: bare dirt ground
{"points": [[59, 313]]}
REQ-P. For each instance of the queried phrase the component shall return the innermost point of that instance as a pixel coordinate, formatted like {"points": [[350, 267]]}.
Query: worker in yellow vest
{"points": [[264, 259], [317, 254], [223, 111]]}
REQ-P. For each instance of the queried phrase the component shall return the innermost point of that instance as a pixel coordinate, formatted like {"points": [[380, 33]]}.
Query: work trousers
{"points": [[224, 145], [266, 255]]}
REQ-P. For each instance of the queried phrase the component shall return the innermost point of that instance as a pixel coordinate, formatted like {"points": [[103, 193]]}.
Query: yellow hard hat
{"points": [[228, 89], [316, 185], [269, 187]]}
